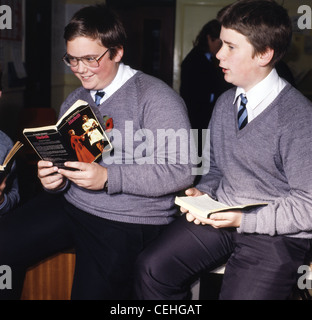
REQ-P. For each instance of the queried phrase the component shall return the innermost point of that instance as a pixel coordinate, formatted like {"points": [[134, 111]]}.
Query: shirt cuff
{"points": [[114, 180], [248, 223]]}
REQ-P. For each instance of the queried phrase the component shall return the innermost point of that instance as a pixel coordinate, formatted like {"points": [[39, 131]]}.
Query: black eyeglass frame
{"points": [[81, 59]]}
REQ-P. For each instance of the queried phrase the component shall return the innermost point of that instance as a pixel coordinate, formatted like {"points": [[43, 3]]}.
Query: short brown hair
{"points": [[264, 23], [97, 22]]}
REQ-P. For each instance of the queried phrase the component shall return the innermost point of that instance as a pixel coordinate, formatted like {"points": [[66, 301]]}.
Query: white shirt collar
{"points": [[258, 93], [262, 94], [124, 73]]}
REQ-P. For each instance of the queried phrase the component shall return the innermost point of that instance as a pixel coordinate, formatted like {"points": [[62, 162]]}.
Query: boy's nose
{"points": [[81, 67], [219, 54]]}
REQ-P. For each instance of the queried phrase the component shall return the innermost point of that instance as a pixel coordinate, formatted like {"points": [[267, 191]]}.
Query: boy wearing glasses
{"points": [[107, 211], [264, 156]]}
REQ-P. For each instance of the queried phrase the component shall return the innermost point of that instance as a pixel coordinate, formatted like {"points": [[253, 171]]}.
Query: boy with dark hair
{"points": [[261, 150], [107, 211]]}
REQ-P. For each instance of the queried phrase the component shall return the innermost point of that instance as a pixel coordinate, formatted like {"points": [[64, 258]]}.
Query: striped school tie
{"points": [[98, 96], [242, 116]]}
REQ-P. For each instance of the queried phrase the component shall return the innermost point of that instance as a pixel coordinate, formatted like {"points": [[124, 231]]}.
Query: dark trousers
{"points": [[105, 250], [259, 267]]}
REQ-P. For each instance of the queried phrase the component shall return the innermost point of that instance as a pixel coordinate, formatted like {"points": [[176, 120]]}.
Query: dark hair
{"points": [[264, 23], [97, 22], [211, 28]]}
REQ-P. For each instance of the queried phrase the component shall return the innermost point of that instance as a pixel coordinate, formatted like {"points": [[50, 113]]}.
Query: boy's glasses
{"points": [[91, 62]]}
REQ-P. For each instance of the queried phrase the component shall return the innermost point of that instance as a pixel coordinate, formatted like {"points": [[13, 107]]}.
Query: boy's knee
{"points": [[144, 265]]}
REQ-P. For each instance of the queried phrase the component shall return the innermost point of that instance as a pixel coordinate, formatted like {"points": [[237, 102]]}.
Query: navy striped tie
{"points": [[98, 96], [242, 116]]}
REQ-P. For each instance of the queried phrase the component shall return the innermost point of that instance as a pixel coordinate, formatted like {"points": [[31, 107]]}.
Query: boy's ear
{"points": [[266, 57], [119, 54]]}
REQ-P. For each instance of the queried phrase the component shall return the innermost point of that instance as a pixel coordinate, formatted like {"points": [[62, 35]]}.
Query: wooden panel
{"points": [[51, 279]]}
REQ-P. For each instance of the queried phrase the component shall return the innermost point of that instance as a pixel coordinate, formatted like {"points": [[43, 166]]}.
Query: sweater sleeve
{"points": [[11, 197]]}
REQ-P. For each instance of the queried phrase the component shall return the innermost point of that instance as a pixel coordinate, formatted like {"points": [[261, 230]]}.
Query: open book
{"points": [[77, 136], [205, 205], [8, 161]]}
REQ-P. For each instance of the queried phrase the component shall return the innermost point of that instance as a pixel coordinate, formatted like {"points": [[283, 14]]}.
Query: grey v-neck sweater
{"points": [[142, 176], [270, 160]]}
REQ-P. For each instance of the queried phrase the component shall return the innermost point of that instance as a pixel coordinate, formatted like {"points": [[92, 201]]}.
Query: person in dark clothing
{"points": [[0, 81], [202, 81], [284, 72]]}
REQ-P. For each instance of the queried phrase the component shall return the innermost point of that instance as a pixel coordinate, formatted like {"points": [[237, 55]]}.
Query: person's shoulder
{"points": [[77, 94], [5, 139], [146, 78], [150, 83], [293, 107], [6, 142], [194, 59], [292, 96], [223, 103], [226, 96], [149, 90], [194, 54]]}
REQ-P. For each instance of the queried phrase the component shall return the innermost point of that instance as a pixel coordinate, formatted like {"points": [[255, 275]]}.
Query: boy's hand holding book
{"points": [[49, 176], [202, 209], [191, 192], [91, 176], [224, 219], [216, 220]]}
